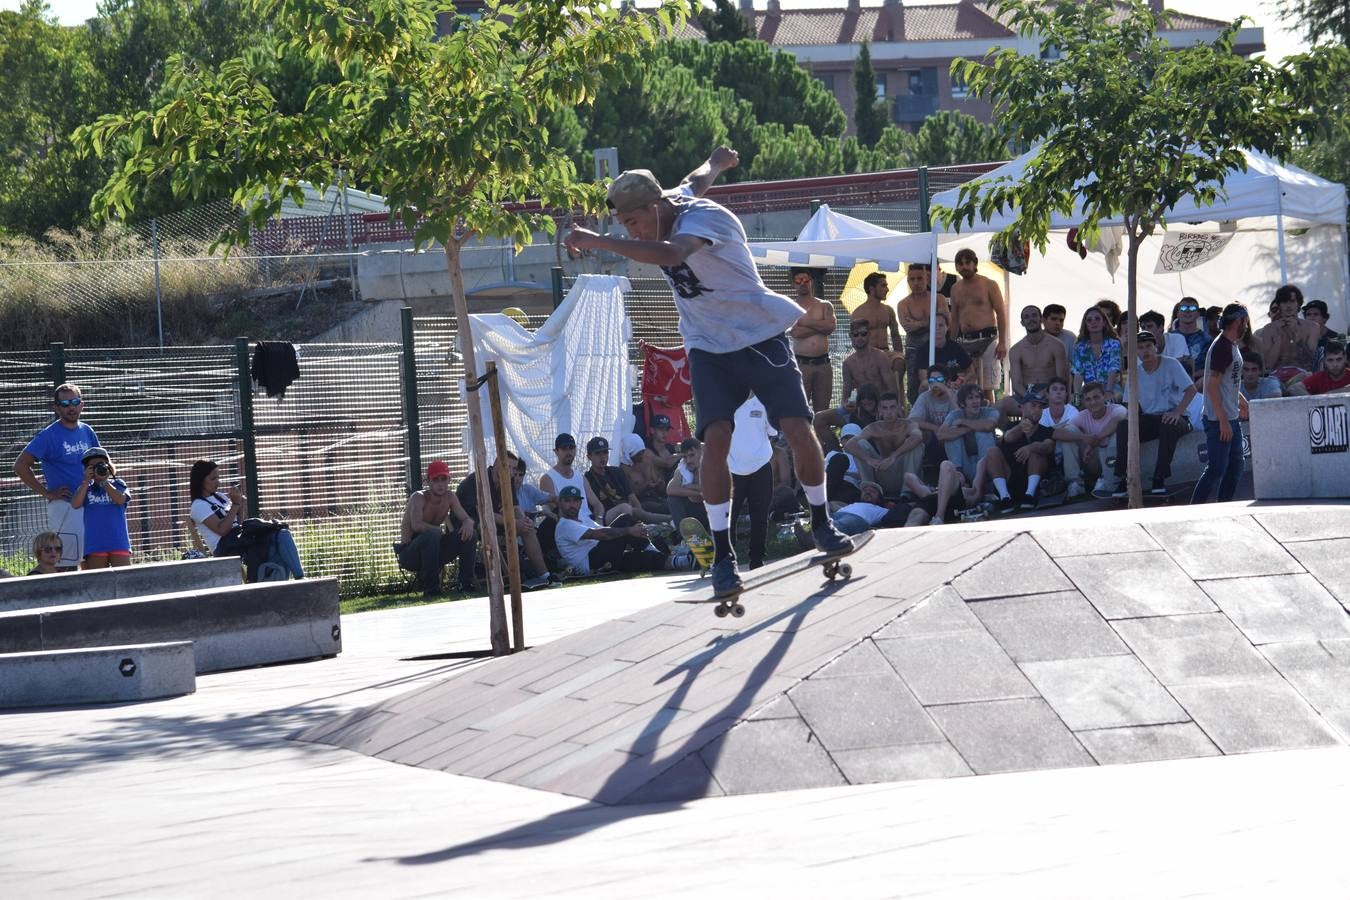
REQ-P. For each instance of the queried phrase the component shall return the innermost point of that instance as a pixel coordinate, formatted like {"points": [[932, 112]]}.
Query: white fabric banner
{"points": [[572, 375], [1182, 250]]}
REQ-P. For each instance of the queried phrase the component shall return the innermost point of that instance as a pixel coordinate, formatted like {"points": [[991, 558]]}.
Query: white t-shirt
{"points": [[1175, 345], [750, 447], [1049, 421], [1162, 389], [868, 512], [724, 305], [217, 506], [572, 547]]}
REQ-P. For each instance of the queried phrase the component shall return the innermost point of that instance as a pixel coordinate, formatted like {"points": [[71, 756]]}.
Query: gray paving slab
{"points": [[688, 779], [1314, 524], [1326, 561], [941, 613], [960, 667], [1260, 714], [777, 708], [1127, 585], [1180, 649], [1062, 543], [1223, 548], [1010, 736], [1103, 692], [862, 659], [1273, 608], [1147, 743], [907, 762], [1320, 672], [770, 755], [862, 711], [1019, 567], [1062, 625]]}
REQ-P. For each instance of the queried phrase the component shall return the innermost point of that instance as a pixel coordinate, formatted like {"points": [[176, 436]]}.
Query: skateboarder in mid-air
{"points": [[734, 330]]}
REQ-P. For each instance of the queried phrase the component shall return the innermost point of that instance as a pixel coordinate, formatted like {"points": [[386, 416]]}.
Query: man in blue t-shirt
{"points": [[60, 449], [735, 332]]}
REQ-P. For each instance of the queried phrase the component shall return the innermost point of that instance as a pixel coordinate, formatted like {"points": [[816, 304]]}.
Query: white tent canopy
{"points": [[834, 240]]}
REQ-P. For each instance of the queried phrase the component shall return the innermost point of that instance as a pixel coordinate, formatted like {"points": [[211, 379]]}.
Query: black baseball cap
{"points": [[660, 421], [596, 444], [569, 493], [564, 440], [1146, 337]]}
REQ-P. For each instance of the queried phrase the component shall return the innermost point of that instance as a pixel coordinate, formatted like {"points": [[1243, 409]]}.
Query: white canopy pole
{"points": [[1279, 232], [1345, 251], [932, 303]]}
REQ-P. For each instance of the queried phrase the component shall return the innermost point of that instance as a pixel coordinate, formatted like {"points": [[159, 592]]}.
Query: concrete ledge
{"points": [[1301, 447], [35, 591], [97, 675], [231, 627]]}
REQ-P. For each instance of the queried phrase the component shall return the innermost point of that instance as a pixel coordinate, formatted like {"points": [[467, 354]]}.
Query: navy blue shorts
{"points": [[721, 382]]}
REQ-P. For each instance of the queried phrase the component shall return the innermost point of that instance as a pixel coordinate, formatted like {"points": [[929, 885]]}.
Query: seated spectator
{"points": [[663, 454], [953, 494], [1097, 356], [862, 410], [1060, 412], [948, 357], [967, 433], [1165, 395], [750, 462], [588, 547], [215, 514], [103, 497], [1256, 385], [1033, 360], [435, 530], [843, 479], [47, 548], [644, 475], [684, 494], [1090, 432], [1188, 321], [870, 511], [868, 364], [1170, 343], [930, 412], [534, 570], [1289, 343], [564, 473], [1315, 311], [1113, 313], [888, 448], [1334, 377], [1018, 460], [783, 504], [610, 486], [1052, 320]]}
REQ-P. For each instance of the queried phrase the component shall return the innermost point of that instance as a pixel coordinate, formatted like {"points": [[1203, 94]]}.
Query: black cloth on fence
{"points": [[275, 366]]}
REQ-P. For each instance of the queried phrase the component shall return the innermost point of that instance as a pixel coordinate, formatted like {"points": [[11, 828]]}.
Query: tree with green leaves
{"points": [[1319, 21], [869, 112], [950, 137], [1125, 128], [449, 129], [724, 23]]}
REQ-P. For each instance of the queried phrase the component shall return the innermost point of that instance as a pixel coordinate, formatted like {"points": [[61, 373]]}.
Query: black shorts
{"points": [[721, 382], [955, 505]]}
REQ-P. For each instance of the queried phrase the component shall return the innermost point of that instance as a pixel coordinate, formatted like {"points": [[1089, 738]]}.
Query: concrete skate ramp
{"points": [[952, 651]]}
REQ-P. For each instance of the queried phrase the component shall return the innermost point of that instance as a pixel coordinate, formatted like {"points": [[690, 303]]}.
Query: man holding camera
{"points": [[60, 448]]}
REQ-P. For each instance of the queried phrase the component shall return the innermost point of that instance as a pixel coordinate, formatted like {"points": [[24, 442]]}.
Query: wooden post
{"points": [[508, 510]]}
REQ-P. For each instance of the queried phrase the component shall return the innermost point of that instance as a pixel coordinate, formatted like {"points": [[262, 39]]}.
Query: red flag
{"points": [[665, 386]]}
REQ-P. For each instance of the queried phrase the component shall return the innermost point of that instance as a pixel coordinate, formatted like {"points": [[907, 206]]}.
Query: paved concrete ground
{"points": [[203, 796]]}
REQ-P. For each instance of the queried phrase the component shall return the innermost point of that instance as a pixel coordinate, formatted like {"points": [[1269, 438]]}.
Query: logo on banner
{"points": [[1183, 250], [1329, 429]]}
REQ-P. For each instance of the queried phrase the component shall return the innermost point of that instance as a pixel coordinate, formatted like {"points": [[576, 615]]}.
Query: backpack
{"points": [[251, 541]]}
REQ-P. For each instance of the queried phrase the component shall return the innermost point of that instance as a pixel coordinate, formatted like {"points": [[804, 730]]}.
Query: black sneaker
{"points": [[1122, 489], [1006, 504], [1029, 502], [831, 540], [1159, 488], [726, 581]]}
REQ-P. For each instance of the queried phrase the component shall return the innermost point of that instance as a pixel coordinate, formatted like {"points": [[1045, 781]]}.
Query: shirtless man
{"points": [[883, 331], [888, 448], [811, 340], [978, 313], [425, 546], [867, 364], [1289, 343], [914, 311], [1033, 360]]}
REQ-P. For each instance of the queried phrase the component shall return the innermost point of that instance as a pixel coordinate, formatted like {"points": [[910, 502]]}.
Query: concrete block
{"points": [[97, 675], [36, 591], [231, 627], [1301, 447]]}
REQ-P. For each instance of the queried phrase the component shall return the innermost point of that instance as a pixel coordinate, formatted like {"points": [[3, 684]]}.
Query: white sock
{"points": [[1001, 485], [815, 493], [719, 516], [1033, 482]]}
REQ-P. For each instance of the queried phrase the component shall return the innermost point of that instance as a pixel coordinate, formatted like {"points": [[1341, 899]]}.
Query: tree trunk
{"points": [[491, 562], [1128, 366]]}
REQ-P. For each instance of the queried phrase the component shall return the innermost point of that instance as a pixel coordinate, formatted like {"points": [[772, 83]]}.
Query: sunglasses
{"points": [[1189, 308], [73, 401], [936, 379], [50, 548]]}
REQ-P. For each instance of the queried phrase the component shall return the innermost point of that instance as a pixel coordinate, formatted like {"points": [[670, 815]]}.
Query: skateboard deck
{"points": [[699, 541], [1172, 496], [832, 565]]}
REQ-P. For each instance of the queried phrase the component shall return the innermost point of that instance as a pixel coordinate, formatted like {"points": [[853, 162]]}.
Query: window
{"points": [[960, 90], [827, 82], [915, 80], [1049, 52], [881, 85]]}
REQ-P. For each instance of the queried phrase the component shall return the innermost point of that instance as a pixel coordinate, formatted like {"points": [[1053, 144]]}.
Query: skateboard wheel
{"points": [[738, 610], [846, 570], [720, 611]]}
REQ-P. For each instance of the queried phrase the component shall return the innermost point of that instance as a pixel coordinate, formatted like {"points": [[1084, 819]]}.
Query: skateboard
{"points": [[700, 543], [1170, 497], [832, 565]]}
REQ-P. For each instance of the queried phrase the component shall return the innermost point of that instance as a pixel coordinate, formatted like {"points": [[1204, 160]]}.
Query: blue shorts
{"points": [[721, 382]]}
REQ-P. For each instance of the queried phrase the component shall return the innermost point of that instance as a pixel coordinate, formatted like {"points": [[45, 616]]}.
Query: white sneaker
{"points": [[935, 520], [1076, 490]]}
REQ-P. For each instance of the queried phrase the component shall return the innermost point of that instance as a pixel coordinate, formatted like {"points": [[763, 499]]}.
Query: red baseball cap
{"points": [[438, 469]]}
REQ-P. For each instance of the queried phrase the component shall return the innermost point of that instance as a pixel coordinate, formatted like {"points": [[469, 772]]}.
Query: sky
{"points": [[1279, 41]]}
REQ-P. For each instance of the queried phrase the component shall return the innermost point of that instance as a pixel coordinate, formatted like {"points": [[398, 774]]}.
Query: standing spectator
{"points": [[1052, 319], [883, 331], [913, 312], [811, 339], [1096, 356], [752, 475], [47, 550], [980, 321], [215, 514], [103, 497], [1334, 377], [1165, 394], [967, 434], [1255, 384], [1187, 322], [1170, 343], [867, 364], [684, 493], [59, 448], [1224, 404], [1090, 432]]}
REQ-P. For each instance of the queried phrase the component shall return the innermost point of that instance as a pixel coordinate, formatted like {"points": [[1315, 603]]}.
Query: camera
{"points": [[101, 469]]}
